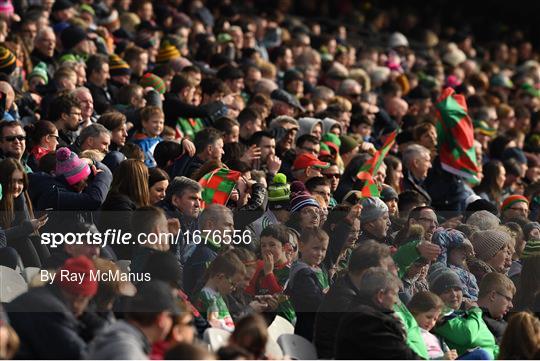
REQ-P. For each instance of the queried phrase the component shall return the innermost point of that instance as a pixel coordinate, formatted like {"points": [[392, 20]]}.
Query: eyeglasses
{"points": [[509, 299], [334, 175], [523, 210], [76, 114], [12, 138]]}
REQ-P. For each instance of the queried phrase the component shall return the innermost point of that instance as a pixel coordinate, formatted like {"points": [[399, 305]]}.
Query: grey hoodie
{"points": [[306, 125], [329, 123], [120, 341]]}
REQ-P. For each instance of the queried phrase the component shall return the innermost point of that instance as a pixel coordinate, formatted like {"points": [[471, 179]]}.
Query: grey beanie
{"points": [[483, 220], [445, 280], [487, 243], [372, 208]]}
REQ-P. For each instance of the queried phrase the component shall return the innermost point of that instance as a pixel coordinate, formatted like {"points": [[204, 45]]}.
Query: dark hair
{"points": [[228, 264], [127, 92], [305, 138], [233, 151], [225, 124], [156, 175], [211, 86], [416, 211], [247, 115], [408, 200], [424, 302], [95, 63], [258, 136], [180, 81], [187, 351], [251, 333], [61, 104], [206, 137], [277, 231], [368, 254], [38, 130], [488, 184], [144, 219], [497, 146], [132, 151], [166, 151], [7, 207], [512, 167], [314, 182], [313, 233]]}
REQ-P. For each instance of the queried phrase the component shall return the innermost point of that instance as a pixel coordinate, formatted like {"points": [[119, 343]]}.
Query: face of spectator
{"points": [[119, 135], [100, 76], [77, 304], [421, 166], [286, 62], [216, 149], [50, 141], [233, 136], [387, 299], [13, 142], [310, 217], [323, 191], [501, 178], [500, 303], [427, 320], [428, 221], [139, 66], [17, 183], [46, 43], [332, 174], [154, 125], [184, 331], [392, 207], [287, 142], [224, 223], [146, 11], [519, 209], [188, 203], [274, 247], [157, 191], [452, 298], [309, 147], [87, 103], [314, 251], [268, 147], [379, 227], [100, 143], [500, 261], [91, 251], [253, 76], [226, 285], [236, 85], [429, 138]]}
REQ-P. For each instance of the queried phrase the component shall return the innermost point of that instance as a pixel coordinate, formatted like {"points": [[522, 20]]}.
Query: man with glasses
{"points": [[514, 206], [333, 175], [13, 142], [426, 218], [65, 112]]}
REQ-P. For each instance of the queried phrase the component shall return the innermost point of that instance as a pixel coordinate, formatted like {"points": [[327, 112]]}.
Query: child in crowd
{"points": [[455, 249], [224, 273], [308, 280], [426, 308], [464, 331], [152, 121], [272, 272]]}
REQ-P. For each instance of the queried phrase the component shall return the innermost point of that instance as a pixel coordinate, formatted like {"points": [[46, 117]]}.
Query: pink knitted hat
{"points": [[70, 166]]}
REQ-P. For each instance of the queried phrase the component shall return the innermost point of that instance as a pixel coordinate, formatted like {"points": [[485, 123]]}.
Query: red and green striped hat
{"points": [[153, 81], [511, 200], [218, 185]]}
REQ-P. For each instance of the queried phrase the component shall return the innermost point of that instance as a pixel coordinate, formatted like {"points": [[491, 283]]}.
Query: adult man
{"points": [[95, 137], [423, 216], [84, 96], [45, 318], [12, 141], [97, 69], [182, 201], [65, 113], [250, 122], [374, 321], [149, 318], [285, 103], [319, 186], [137, 60], [307, 166], [75, 42], [269, 161], [214, 223], [514, 206], [44, 45], [417, 162], [233, 77], [375, 221]]}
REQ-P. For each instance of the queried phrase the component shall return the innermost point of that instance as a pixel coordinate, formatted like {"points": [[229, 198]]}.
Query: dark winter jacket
{"points": [[45, 325], [175, 108], [116, 214]]}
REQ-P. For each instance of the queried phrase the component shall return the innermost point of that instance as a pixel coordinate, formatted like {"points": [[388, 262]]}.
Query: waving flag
{"points": [[455, 133], [370, 168], [218, 186]]}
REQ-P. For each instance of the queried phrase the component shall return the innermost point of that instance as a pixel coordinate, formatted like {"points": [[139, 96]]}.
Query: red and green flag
{"points": [[455, 133], [218, 186], [370, 168]]}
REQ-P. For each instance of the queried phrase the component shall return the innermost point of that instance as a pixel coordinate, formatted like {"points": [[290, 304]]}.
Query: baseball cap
{"points": [[283, 96], [306, 160], [154, 296]]}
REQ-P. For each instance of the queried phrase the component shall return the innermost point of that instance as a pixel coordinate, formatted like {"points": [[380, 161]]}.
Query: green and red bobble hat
{"points": [[153, 81], [511, 200], [117, 66], [325, 150], [331, 140]]}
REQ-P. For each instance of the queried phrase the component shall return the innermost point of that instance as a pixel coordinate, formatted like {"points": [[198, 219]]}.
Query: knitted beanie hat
{"points": [[40, 71], [70, 166], [372, 208], [279, 192], [511, 200], [167, 52], [532, 249], [117, 66], [348, 143], [71, 36], [444, 281], [487, 243], [83, 267], [7, 61], [300, 198], [483, 220], [153, 81]]}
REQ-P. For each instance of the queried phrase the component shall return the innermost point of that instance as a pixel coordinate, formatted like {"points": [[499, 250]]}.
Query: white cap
{"points": [[397, 39]]}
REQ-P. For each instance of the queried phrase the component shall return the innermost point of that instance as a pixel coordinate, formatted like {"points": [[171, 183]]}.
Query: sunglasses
{"points": [[11, 138], [334, 175]]}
